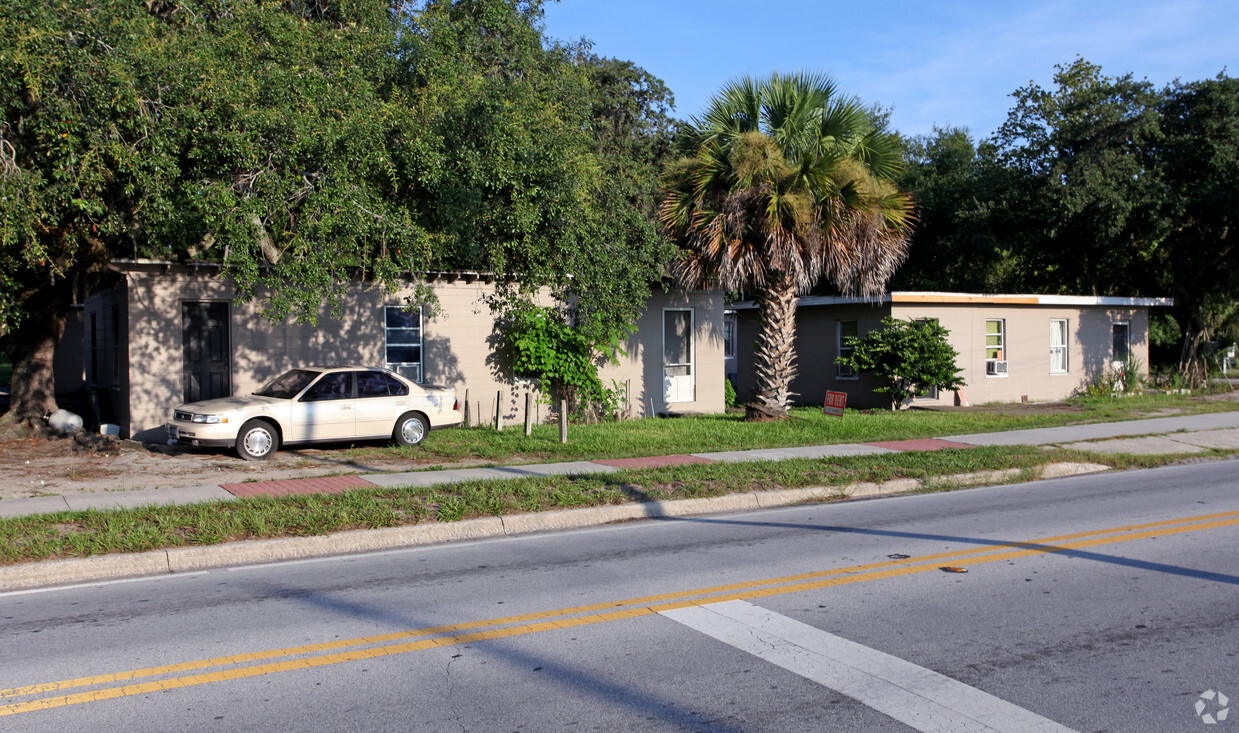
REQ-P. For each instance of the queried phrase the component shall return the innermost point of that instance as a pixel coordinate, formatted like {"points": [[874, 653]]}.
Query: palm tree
{"points": [[788, 183]]}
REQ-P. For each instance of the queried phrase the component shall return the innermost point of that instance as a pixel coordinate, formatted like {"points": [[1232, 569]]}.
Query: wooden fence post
{"points": [[528, 414], [563, 421], [468, 423], [499, 411]]}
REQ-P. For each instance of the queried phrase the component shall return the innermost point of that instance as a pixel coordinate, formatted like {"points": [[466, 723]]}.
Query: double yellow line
{"points": [[240, 666]]}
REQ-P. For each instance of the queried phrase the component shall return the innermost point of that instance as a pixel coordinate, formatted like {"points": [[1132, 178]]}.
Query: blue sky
{"points": [[936, 62]]}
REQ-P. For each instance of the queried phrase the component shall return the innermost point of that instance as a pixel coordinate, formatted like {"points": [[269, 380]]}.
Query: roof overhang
{"points": [[941, 298]]}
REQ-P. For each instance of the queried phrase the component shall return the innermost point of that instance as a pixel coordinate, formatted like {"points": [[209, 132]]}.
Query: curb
{"points": [[46, 573]]}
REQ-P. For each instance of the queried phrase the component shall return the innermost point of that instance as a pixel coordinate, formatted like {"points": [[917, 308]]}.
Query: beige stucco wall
{"points": [[1028, 346], [1028, 349], [457, 345], [642, 366]]}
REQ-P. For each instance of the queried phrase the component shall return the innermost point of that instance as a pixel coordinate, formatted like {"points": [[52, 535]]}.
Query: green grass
{"points": [[95, 532], [806, 426]]}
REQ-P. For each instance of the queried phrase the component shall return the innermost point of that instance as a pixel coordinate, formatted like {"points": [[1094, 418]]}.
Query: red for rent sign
{"points": [[835, 402]]}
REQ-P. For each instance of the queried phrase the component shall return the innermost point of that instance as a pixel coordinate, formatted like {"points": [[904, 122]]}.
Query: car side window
{"points": [[334, 386], [378, 384]]}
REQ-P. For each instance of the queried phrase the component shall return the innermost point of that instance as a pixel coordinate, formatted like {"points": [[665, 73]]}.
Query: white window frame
{"points": [[403, 368], [992, 368], [1060, 353], [843, 371], [692, 356]]}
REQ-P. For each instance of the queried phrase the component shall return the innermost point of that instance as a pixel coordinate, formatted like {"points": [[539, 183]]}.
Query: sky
{"points": [[934, 62]]}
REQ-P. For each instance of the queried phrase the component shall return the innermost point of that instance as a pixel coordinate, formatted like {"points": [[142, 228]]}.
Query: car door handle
{"points": [[346, 407]]}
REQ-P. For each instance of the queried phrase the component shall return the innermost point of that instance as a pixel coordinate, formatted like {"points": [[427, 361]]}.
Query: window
{"points": [[844, 331], [996, 348], [678, 356], [1058, 346], [1122, 344], [378, 384], [333, 386], [403, 341]]}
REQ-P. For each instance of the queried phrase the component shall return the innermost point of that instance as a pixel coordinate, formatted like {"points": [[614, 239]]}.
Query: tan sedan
{"points": [[317, 404]]}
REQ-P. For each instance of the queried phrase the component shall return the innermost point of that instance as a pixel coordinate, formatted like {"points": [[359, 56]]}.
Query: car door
{"points": [[327, 410], [381, 398]]}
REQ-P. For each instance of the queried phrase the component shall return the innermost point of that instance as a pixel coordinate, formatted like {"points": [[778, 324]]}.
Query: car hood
{"points": [[231, 404]]}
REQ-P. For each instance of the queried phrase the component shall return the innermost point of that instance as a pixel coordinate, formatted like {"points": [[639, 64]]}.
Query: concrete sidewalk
{"points": [[1167, 435], [1161, 436]]}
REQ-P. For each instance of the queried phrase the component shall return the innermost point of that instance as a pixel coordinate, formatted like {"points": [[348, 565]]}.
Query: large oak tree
{"points": [[303, 145]]}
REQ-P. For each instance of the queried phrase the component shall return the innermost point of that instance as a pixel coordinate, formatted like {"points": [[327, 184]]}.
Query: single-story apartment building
{"points": [[167, 333], [1011, 348]]}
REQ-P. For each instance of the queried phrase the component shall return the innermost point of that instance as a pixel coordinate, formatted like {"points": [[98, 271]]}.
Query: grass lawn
{"points": [[95, 532], [806, 426]]}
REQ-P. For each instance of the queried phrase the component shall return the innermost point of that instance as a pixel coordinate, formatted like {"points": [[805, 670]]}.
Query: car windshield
{"points": [[288, 385]]}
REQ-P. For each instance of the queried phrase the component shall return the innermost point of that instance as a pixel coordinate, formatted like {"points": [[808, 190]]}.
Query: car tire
{"points": [[411, 429], [257, 440]]}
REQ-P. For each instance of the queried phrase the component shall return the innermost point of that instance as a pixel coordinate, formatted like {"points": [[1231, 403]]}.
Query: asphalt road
{"points": [[1103, 602]]}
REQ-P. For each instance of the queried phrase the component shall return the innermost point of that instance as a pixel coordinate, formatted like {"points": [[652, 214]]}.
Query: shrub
{"points": [[911, 357], [543, 346]]}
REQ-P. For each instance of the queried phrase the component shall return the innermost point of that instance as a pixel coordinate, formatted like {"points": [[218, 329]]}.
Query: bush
{"points": [[543, 346], [911, 357], [729, 393], [1127, 378]]}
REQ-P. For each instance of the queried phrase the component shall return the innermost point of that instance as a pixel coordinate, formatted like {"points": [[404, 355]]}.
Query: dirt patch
{"points": [[50, 465]]}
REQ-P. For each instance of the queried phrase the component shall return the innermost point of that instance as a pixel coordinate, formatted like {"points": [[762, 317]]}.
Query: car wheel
{"points": [[257, 441], [411, 429]]}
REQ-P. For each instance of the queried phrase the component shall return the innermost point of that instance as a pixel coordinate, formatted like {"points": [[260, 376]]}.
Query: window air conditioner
{"points": [[995, 367]]}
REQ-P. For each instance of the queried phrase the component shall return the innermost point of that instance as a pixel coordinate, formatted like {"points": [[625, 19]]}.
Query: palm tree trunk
{"points": [[774, 352]]}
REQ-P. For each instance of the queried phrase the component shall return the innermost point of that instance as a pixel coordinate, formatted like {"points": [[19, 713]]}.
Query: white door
{"points": [[678, 372]]}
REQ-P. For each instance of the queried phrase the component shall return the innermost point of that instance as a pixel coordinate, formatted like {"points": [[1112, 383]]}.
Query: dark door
{"points": [[204, 333]]}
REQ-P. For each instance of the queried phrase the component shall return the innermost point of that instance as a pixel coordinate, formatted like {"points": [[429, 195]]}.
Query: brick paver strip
{"points": [[921, 444], [327, 485], [654, 461]]}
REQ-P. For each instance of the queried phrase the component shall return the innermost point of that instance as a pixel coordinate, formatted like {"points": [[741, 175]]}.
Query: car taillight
{"points": [[456, 405]]}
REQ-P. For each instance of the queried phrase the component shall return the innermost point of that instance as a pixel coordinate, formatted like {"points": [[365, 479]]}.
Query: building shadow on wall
{"points": [[515, 393], [1094, 332]]}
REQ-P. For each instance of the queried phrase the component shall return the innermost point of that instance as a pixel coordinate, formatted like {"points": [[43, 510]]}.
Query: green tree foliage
{"points": [[532, 158], [1196, 260], [249, 133], [302, 145], [1099, 185], [958, 243], [787, 182], [910, 357], [1083, 180], [560, 356]]}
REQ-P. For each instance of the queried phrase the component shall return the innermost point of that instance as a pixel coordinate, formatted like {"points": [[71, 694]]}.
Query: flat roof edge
{"points": [[945, 298]]}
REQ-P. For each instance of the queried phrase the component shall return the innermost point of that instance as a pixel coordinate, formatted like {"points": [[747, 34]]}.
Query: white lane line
{"points": [[913, 695]]}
